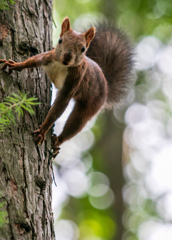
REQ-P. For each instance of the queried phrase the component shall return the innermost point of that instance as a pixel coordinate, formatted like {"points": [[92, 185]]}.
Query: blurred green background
{"points": [[114, 179]]}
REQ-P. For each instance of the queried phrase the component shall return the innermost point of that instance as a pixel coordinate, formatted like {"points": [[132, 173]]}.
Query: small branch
{"points": [[15, 103]]}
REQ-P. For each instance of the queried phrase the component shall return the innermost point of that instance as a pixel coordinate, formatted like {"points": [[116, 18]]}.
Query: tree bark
{"points": [[25, 170]]}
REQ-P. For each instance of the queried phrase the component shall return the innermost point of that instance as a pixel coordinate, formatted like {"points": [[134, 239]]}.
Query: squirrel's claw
{"points": [[11, 61], [38, 139], [55, 146], [11, 64], [3, 60], [54, 152], [40, 136]]}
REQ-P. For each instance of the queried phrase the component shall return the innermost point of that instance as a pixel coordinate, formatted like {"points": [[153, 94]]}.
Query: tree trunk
{"points": [[110, 148], [25, 170]]}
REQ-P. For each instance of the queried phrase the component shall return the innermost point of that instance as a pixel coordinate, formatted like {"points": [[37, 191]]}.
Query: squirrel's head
{"points": [[72, 46]]}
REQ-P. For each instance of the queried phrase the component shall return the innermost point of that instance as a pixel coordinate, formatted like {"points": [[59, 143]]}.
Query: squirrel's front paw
{"points": [[11, 64], [40, 136], [55, 146], [3, 61]]}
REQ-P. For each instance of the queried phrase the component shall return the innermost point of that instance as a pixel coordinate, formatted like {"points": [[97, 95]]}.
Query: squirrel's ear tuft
{"points": [[89, 35], [65, 26]]}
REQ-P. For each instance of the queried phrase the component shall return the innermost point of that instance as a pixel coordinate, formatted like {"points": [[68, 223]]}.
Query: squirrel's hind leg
{"points": [[76, 121]]}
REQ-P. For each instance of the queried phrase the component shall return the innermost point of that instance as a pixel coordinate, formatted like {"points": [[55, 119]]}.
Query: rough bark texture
{"points": [[25, 170]]}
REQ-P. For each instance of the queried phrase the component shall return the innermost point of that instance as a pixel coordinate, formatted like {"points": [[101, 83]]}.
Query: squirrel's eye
{"points": [[60, 40], [83, 49]]}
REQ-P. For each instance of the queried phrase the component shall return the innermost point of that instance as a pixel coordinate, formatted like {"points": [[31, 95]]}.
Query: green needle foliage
{"points": [[4, 4], [15, 103]]}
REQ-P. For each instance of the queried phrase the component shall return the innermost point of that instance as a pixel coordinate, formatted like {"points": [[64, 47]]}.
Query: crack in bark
{"points": [[10, 221], [27, 214], [24, 169]]}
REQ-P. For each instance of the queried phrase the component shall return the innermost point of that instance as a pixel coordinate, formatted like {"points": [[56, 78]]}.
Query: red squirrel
{"points": [[93, 68]]}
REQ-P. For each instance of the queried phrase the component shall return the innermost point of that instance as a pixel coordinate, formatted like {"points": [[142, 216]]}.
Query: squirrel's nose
{"points": [[67, 57], [68, 54]]}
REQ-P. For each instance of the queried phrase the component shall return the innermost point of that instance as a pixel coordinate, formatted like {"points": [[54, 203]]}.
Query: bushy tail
{"points": [[111, 50]]}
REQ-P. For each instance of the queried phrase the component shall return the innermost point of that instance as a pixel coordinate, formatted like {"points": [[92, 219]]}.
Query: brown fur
{"points": [[112, 51], [76, 76]]}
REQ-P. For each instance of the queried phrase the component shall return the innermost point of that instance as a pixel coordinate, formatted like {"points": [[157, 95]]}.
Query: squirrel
{"points": [[94, 68]]}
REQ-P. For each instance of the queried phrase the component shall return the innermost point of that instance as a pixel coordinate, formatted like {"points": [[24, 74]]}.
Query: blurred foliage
{"points": [[91, 221], [5, 4], [144, 20], [144, 17], [138, 17]]}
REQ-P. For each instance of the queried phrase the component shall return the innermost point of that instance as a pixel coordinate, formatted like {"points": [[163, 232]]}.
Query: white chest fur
{"points": [[56, 72]]}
